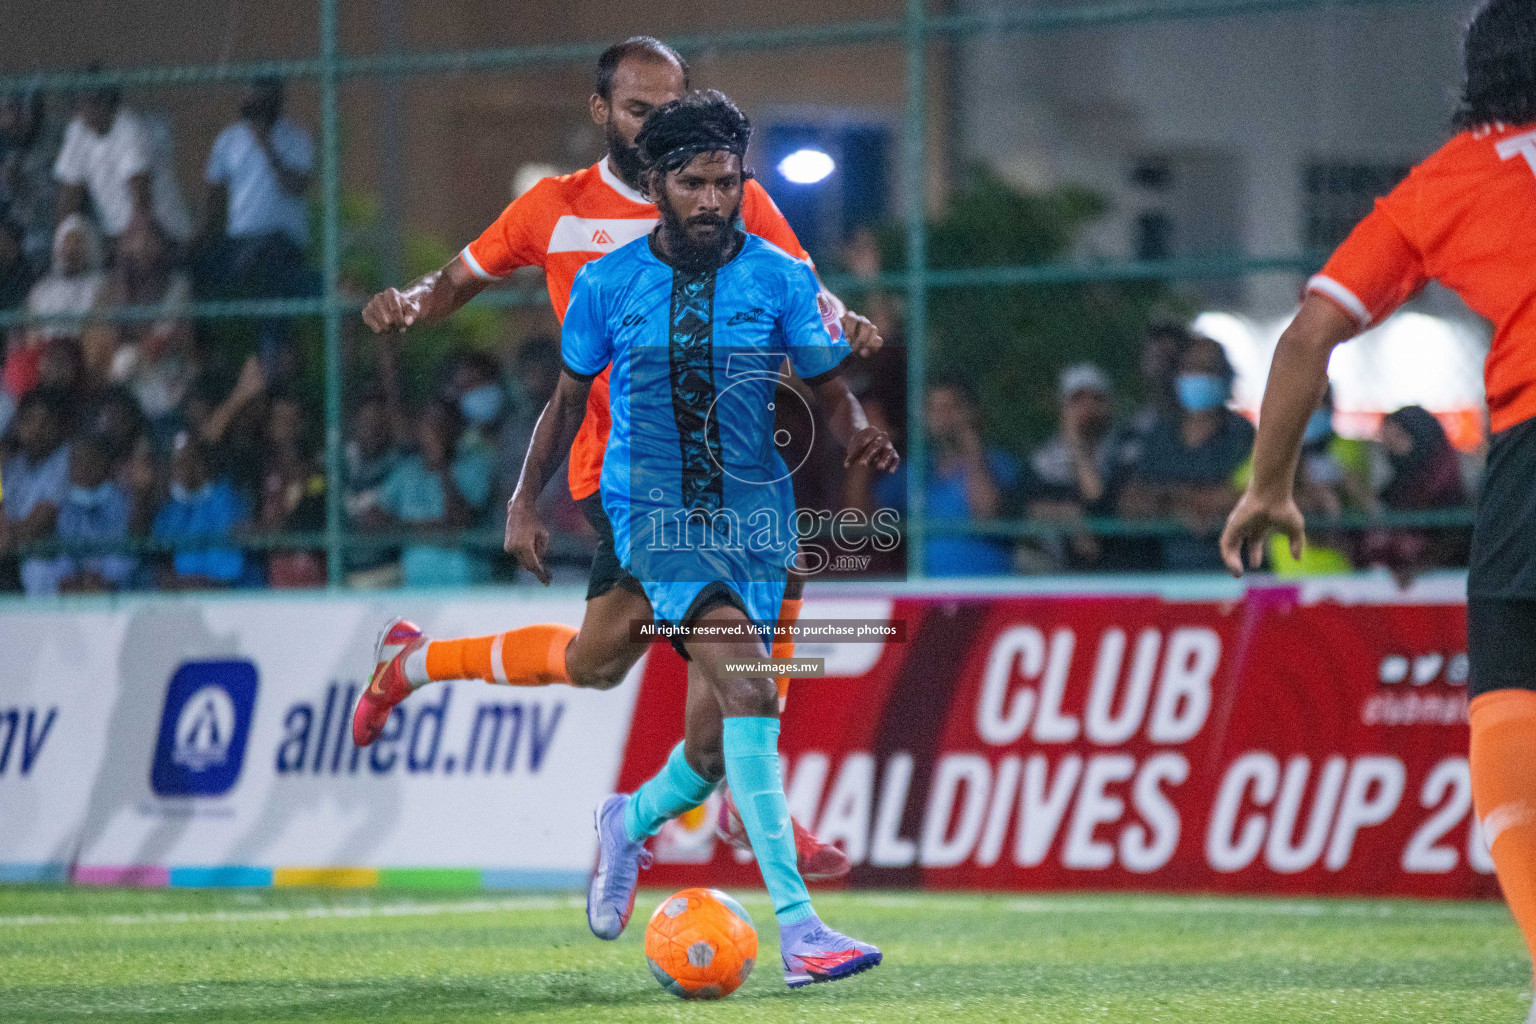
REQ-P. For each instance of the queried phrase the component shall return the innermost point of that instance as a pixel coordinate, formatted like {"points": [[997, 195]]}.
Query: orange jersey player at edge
{"points": [[1465, 217], [561, 224]]}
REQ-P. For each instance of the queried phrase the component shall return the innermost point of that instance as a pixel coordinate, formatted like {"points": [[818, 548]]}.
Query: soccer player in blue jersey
{"points": [[698, 319]]}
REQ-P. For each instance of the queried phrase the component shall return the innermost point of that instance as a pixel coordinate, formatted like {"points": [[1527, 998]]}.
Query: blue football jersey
{"points": [[692, 477]]}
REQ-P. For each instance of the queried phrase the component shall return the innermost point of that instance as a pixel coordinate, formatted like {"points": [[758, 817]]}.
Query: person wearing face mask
{"points": [[95, 511], [1189, 464], [201, 510], [475, 387]]}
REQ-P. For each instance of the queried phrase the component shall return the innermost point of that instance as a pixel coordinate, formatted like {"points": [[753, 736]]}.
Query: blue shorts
{"points": [[682, 604]]}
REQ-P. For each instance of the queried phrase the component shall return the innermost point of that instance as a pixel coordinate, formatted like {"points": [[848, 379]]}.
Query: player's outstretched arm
{"points": [[526, 538], [430, 297], [1297, 378], [865, 445]]}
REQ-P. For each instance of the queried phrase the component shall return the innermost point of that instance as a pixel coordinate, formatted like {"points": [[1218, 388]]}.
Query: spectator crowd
{"points": [[1150, 491], [124, 464]]}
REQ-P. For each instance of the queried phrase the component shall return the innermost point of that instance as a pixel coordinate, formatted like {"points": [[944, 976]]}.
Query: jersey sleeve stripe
{"points": [[1328, 287], [474, 265]]}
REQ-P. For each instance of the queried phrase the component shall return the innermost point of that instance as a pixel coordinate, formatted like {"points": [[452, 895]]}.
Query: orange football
{"points": [[700, 944]]}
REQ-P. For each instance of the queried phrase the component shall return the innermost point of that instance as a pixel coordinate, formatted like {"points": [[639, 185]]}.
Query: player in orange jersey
{"points": [[1465, 217], [560, 225]]}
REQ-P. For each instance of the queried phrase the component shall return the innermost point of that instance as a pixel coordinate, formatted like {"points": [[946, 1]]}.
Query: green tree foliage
{"points": [[1011, 341]]}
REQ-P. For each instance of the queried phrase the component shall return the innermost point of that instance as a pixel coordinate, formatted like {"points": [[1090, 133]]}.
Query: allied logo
{"points": [[203, 728], [601, 237]]}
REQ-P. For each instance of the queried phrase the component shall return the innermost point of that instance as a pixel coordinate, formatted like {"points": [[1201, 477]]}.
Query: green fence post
{"points": [[914, 186], [330, 202]]}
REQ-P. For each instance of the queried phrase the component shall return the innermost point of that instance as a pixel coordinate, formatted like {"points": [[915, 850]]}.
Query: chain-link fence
{"points": [[1044, 208]]}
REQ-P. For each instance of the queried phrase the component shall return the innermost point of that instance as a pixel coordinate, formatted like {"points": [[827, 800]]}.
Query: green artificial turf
{"points": [[313, 955]]}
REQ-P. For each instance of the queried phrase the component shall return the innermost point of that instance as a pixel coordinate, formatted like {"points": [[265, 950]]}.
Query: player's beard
{"points": [[624, 156], [687, 252]]}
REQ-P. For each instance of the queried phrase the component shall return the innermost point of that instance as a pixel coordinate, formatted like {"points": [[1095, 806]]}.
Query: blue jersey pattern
{"points": [[692, 478]]}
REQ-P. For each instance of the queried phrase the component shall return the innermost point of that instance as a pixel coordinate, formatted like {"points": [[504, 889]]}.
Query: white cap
{"points": [[1084, 377]]}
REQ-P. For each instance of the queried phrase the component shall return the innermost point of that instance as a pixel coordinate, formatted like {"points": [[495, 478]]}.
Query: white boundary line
{"points": [[305, 913], [1406, 911]]}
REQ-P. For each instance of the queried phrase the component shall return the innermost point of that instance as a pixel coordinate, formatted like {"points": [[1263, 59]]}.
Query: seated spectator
{"points": [[371, 456], [535, 372], [118, 426], [201, 512], [1190, 460], [152, 358], [28, 193], [142, 478], [1078, 473], [36, 479], [293, 496], [443, 486], [968, 480], [1162, 345], [475, 386], [15, 273], [62, 369], [1426, 476], [61, 302], [121, 160], [257, 177], [95, 511]]}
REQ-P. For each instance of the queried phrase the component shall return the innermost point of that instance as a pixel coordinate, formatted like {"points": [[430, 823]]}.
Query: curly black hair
{"points": [[705, 121], [1499, 49]]}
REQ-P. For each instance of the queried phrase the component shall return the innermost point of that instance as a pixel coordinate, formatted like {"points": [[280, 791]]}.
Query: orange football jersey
{"points": [[1465, 217], [563, 223]]}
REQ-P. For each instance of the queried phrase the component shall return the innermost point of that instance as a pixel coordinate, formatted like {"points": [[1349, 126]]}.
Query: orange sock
{"points": [[531, 656], [1503, 763], [784, 647]]}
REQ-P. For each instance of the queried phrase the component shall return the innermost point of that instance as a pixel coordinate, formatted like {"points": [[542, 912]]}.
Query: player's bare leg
{"points": [[749, 708], [603, 651], [818, 861]]}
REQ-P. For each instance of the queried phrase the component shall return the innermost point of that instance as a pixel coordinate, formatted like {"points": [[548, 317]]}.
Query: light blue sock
{"points": [[752, 769], [665, 795]]}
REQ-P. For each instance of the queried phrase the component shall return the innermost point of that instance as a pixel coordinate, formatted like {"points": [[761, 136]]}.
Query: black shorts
{"points": [[607, 571], [712, 596], [1501, 580], [1501, 643]]}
